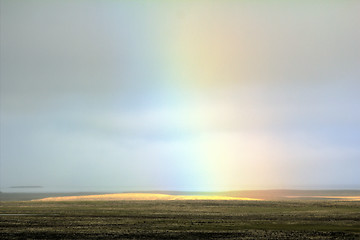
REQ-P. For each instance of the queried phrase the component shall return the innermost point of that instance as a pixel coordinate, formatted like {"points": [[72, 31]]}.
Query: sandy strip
{"points": [[141, 196]]}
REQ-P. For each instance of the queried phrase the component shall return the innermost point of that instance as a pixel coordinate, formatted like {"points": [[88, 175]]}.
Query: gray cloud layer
{"points": [[90, 91]]}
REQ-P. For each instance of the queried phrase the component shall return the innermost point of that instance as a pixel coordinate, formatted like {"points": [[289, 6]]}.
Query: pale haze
{"points": [[186, 96]]}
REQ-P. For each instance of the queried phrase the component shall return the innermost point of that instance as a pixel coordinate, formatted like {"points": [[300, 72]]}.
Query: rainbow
{"points": [[197, 61]]}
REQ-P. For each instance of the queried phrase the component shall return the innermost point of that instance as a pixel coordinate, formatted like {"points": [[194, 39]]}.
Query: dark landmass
{"points": [[32, 196], [180, 220]]}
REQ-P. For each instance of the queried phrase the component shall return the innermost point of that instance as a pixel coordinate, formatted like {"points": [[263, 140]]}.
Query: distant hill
{"points": [[276, 194], [141, 197]]}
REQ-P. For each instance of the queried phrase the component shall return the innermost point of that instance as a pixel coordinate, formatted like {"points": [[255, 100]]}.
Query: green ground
{"points": [[181, 220]]}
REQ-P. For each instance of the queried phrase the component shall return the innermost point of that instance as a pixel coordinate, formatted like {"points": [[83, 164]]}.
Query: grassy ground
{"points": [[181, 220]]}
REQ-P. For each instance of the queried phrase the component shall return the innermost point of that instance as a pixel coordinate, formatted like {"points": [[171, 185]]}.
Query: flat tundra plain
{"points": [[194, 219]]}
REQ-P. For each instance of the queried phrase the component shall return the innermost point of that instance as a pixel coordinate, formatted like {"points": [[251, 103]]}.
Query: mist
{"points": [[190, 96]]}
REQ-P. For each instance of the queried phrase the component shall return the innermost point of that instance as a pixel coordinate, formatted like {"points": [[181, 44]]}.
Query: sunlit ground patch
{"points": [[141, 196], [342, 198]]}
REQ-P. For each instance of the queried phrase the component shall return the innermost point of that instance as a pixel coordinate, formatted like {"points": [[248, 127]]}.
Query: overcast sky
{"points": [[163, 95]]}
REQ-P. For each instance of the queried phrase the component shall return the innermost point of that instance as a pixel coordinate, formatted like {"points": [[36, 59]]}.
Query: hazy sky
{"points": [[180, 95]]}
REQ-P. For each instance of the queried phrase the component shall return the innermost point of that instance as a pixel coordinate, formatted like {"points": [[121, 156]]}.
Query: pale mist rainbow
{"points": [[202, 68]]}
